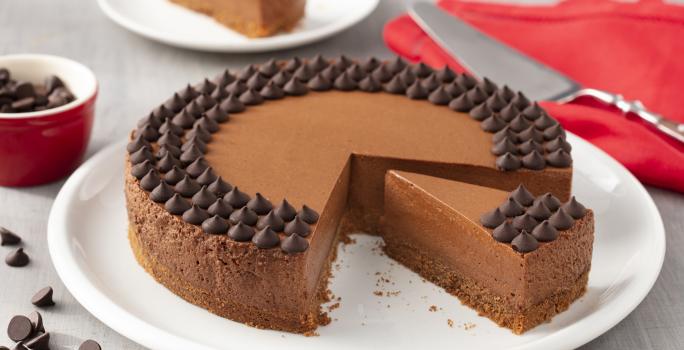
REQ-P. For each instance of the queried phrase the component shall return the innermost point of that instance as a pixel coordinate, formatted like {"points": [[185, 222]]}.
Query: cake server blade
{"points": [[483, 55]]}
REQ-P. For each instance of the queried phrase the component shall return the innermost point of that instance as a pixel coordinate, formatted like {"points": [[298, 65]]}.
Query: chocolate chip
{"points": [[294, 244], [281, 78], [150, 119], [529, 146], [522, 195], [524, 242], [260, 204], [266, 238], [162, 113], [190, 155], [43, 298], [251, 98], [439, 96], [271, 220], [187, 187], [177, 205], [204, 198], [295, 87], [169, 127], [37, 321], [454, 89], [355, 72], [40, 342], [477, 95], [269, 68], [217, 114], [396, 65], [370, 64], [461, 104], [525, 222], [550, 201], [534, 161], [23, 90], [561, 220], [207, 124], [19, 328], [319, 83], [168, 161], [520, 101], [256, 81], [299, 226], [150, 181], [245, 215], [8, 237], [236, 88], [407, 76], [519, 123], [304, 73], [466, 81], [545, 232], [508, 162], [531, 134], [430, 83], [318, 63], [544, 122], [241, 232], [141, 155], [330, 73], [309, 215], [272, 91], [236, 198], [174, 176], [539, 211], [141, 169], [554, 132], [215, 225], [504, 146], [511, 208], [197, 167], [509, 112], [422, 70], [195, 215], [220, 187], [382, 74], [506, 132], [345, 83], [24, 104], [196, 141], [416, 91], [220, 208], [293, 64], [188, 93], [446, 75], [532, 112], [370, 84], [224, 79], [207, 177], [496, 103], [395, 86], [175, 104], [286, 211], [556, 144], [183, 120], [492, 124], [488, 86], [246, 72], [137, 143], [493, 218], [343, 62], [481, 112], [89, 345], [574, 208], [161, 193], [505, 232], [232, 104]]}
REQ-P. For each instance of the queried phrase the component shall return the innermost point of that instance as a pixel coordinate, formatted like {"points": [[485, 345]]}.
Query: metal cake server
{"points": [[483, 55]]}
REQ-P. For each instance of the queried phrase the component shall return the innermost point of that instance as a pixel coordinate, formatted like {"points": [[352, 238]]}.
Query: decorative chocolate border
{"points": [[524, 221], [167, 148]]}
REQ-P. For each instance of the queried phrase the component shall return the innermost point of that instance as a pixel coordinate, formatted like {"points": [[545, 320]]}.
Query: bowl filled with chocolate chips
{"points": [[47, 106]]}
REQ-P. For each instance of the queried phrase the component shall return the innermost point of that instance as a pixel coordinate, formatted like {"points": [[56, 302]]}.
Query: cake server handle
{"points": [[666, 126]]}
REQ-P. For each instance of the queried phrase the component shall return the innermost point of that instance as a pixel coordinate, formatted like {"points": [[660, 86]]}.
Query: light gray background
{"points": [[134, 75]]}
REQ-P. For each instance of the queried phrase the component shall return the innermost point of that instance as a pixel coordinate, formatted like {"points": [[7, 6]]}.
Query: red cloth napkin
{"points": [[636, 49]]}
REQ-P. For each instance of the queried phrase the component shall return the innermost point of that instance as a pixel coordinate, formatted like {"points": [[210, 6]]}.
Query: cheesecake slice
{"points": [[253, 18], [531, 264]]}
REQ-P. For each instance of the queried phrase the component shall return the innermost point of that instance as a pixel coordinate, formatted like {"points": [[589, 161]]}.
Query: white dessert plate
{"points": [[174, 25], [87, 236]]}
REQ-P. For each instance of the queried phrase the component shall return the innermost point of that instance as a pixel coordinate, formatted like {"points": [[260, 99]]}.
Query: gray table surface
{"points": [[136, 73]]}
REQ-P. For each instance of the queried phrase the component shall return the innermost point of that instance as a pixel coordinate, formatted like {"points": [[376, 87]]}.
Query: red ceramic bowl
{"points": [[40, 147]]}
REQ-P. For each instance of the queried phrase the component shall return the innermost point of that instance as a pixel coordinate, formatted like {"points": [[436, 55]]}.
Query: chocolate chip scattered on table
{"points": [[23, 96]]}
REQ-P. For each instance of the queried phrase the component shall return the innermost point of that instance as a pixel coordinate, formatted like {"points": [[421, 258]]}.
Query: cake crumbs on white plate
{"points": [[433, 308], [450, 322]]}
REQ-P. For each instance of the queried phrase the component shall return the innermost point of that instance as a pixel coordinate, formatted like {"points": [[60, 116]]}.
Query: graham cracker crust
{"points": [[487, 304], [225, 308]]}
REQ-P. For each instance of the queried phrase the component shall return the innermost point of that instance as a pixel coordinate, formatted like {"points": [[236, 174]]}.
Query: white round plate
{"points": [[174, 25], [87, 236]]}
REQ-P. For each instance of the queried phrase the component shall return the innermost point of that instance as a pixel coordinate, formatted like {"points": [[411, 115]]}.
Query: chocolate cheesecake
{"points": [[239, 188], [252, 18]]}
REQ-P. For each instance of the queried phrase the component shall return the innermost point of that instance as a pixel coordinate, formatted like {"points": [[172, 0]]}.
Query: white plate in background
{"points": [[174, 25], [87, 237]]}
